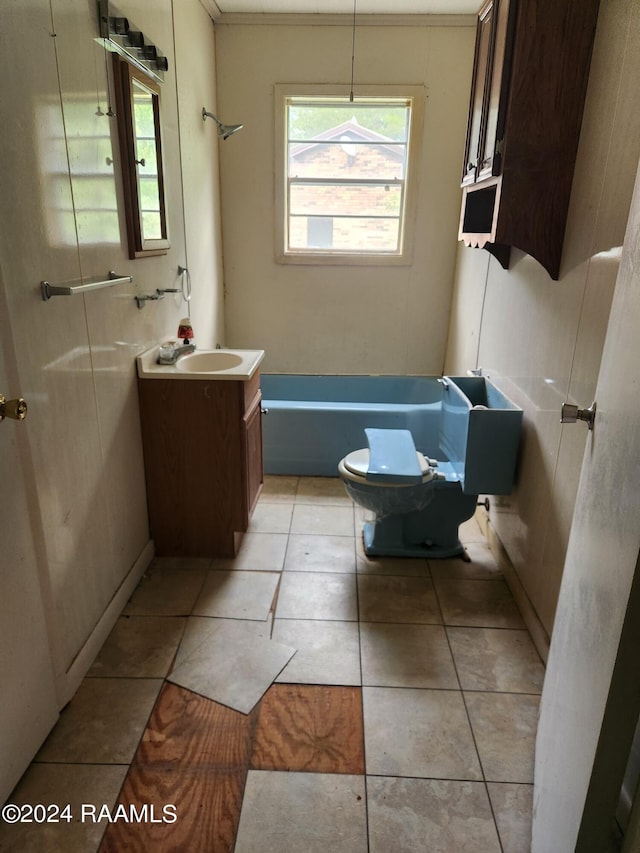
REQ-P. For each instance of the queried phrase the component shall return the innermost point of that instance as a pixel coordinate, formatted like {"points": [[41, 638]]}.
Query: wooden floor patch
{"points": [[194, 755], [309, 728]]}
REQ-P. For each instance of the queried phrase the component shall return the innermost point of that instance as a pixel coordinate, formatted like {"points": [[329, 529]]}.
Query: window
{"points": [[346, 175]]}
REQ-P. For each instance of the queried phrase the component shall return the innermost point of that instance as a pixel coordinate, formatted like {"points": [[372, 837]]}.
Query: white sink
{"points": [[208, 362], [238, 364]]}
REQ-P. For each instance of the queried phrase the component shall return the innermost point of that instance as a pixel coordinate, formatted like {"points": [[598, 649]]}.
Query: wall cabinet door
{"points": [[489, 90], [477, 108], [529, 85]]}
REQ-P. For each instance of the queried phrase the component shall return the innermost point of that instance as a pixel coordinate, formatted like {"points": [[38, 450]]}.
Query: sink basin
{"points": [[208, 362], [215, 364]]}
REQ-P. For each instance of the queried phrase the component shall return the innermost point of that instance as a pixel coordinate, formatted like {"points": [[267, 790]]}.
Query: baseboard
{"points": [[530, 617], [69, 682]]}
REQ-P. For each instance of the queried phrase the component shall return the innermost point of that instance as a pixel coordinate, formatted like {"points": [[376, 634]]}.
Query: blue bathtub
{"points": [[314, 421], [464, 422]]}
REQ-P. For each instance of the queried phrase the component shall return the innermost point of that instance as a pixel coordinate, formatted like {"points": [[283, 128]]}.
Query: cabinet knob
{"points": [[264, 411]]}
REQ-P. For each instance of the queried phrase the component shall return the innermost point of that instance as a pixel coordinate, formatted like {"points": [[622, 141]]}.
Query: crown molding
{"points": [[317, 19], [211, 8]]}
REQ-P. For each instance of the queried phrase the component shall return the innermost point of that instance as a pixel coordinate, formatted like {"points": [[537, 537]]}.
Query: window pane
{"points": [[347, 234], [345, 200], [311, 121], [347, 158], [346, 165]]}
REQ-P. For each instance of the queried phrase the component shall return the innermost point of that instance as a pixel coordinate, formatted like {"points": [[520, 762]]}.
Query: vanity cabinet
{"points": [[530, 76], [202, 442]]}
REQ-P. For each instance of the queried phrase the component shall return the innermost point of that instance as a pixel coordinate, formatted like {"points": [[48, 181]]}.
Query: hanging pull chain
{"points": [[353, 49]]}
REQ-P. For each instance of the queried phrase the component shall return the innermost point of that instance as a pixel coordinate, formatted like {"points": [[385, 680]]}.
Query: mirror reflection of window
{"points": [[146, 161], [141, 152]]}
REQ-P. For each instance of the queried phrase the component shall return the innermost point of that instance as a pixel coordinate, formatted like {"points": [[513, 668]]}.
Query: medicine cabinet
{"points": [[530, 76], [140, 134]]}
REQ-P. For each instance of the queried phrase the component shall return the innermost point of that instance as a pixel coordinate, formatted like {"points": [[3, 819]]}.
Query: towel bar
{"points": [[49, 290]]}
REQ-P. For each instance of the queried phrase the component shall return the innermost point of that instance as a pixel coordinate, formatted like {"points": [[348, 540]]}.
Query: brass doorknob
{"points": [[16, 409]]}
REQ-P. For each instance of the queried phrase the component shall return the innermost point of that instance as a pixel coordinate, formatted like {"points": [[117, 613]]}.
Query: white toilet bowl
{"points": [[385, 498]]}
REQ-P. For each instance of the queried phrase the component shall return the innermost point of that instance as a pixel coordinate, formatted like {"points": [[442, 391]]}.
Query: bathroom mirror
{"points": [[139, 127]]}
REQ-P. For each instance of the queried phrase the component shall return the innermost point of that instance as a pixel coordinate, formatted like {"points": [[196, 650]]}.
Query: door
{"points": [[28, 709], [591, 695]]}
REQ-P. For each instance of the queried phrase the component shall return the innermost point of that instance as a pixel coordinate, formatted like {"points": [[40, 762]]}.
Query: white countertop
{"points": [[248, 363]]}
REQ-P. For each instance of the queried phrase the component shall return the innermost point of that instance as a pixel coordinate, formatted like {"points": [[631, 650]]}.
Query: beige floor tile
{"points": [[406, 656], [513, 806], [259, 552], [140, 646], [103, 722], [309, 553], [469, 531], [504, 726], [418, 733], [327, 520], [397, 566], [229, 661], [408, 815], [328, 652], [322, 490], [271, 518], [482, 565], [237, 595], [397, 599], [75, 785], [201, 629], [166, 592], [318, 595], [295, 812], [276, 489], [478, 603], [496, 659]]}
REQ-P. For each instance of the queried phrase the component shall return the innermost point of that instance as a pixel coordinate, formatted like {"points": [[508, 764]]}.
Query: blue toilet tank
{"points": [[480, 433]]}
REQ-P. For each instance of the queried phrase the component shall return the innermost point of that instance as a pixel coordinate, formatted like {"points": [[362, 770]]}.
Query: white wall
{"points": [[75, 355], [340, 319], [542, 340]]}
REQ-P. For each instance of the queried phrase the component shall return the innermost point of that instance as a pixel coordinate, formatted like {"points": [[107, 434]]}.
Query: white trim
{"points": [[535, 627], [283, 19], [418, 95], [68, 683], [211, 8]]}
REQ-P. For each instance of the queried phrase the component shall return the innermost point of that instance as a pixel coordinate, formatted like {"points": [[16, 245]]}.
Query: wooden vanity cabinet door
{"points": [[253, 463], [202, 443]]}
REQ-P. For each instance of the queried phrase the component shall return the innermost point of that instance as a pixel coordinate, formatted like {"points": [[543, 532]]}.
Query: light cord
{"points": [[353, 49]]}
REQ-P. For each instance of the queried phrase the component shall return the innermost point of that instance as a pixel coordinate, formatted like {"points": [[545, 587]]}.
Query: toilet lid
{"points": [[358, 462]]}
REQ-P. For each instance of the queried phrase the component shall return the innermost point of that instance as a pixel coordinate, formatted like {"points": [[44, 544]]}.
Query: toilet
{"points": [[418, 502]]}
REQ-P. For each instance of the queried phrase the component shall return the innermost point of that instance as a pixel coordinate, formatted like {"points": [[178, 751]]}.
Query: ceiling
{"points": [[345, 7]]}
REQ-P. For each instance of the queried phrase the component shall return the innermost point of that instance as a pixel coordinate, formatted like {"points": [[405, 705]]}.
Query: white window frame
{"points": [[416, 95]]}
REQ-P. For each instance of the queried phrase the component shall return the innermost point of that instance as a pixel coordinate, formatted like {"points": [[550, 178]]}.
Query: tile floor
{"points": [[380, 705]]}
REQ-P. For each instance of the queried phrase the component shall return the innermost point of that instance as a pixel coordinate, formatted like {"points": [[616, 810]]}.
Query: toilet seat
{"points": [[356, 464]]}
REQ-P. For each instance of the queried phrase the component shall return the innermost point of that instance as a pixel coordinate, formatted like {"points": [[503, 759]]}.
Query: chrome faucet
{"points": [[170, 355]]}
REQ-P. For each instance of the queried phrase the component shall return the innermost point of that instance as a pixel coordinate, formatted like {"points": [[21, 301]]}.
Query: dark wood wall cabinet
{"points": [[530, 75], [202, 443]]}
